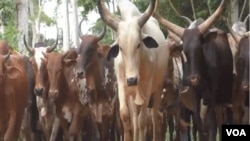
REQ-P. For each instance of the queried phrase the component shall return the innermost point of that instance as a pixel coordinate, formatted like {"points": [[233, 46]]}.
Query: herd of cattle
{"points": [[139, 88]]}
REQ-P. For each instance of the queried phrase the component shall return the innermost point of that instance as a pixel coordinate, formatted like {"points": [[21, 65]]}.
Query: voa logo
{"points": [[236, 132]]}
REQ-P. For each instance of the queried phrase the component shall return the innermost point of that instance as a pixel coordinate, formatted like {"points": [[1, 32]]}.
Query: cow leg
{"points": [[197, 118], [212, 125], [170, 119], [55, 128], [194, 130], [99, 119], [124, 112], [9, 134], [25, 127], [142, 120], [155, 115], [134, 112], [246, 115], [76, 121], [229, 113]]}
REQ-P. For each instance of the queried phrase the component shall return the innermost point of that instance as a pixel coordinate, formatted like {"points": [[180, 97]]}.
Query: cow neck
{"points": [[64, 88], [95, 79]]}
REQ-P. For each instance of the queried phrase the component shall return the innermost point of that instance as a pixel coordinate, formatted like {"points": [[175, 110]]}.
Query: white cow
{"points": [[141, 57]]}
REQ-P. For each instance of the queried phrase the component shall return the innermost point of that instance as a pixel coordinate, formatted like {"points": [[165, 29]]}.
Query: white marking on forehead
{"points": [[39, 54]]}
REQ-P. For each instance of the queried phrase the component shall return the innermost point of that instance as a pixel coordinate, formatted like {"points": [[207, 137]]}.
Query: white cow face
{"points": [[131, 45]]}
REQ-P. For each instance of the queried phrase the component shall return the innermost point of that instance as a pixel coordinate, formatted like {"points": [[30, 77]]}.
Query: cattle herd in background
{"points": [[142, 87]]}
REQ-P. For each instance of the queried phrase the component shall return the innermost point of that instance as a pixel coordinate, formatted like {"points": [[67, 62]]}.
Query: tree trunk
{"points": [[33, 23], [192, 4], [22, 21], [75, 23], [235, 11], [65, 26]]}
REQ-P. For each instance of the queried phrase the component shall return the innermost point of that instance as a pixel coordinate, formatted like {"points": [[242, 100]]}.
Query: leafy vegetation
{"points": [[169, 9]]}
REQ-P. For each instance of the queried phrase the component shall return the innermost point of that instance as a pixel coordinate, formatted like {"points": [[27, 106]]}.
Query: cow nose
{"points": [[53, 93], [132, 81], [194, 81], [80, 74], [38, 91]]}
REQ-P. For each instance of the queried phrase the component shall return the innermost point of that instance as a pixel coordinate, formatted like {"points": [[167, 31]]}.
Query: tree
{"points": [[75, 21], [66, 26], [8, 29], [37, 17], [22, 21]]}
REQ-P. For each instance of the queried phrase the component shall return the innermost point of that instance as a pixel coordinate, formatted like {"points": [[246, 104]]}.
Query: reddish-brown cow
{"points": [[14, 95], [100, 79], [63, 90]]}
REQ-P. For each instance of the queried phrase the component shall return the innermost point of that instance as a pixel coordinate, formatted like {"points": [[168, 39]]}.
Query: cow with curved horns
{"points": [[210, 66], [41, 88], [97, 71], [140, 60]]}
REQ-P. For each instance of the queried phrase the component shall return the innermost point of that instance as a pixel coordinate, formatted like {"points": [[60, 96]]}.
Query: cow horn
{"points": [[51, 48], [80, 29], [179, 31], [146, 15], [106, 16], [31, 50], [245, 20], [209, 22], [175, 38], [187, 19], [236, 36], [101, 35], [247, 34], [6, 56]]}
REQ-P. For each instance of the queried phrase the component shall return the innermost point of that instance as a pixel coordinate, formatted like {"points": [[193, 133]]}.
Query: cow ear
{"points": [[150, 42], [113, 52], [12, 72], [69, 62]]}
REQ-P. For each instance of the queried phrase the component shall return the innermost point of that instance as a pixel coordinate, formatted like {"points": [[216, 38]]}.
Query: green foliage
{"points": [[183, 7], [88, 5], [7, 10], [49, 21], [11, 34], [98, 27]]}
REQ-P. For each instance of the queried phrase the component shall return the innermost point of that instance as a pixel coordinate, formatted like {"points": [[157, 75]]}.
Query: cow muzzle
{"points": [[53, 93], [132, 81], [38, 91], [80, 74]]}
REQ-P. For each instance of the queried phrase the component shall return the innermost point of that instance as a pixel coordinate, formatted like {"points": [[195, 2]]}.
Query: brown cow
{"points": [[14, 95], [63, 91], [41, 88], [100, 80]]}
